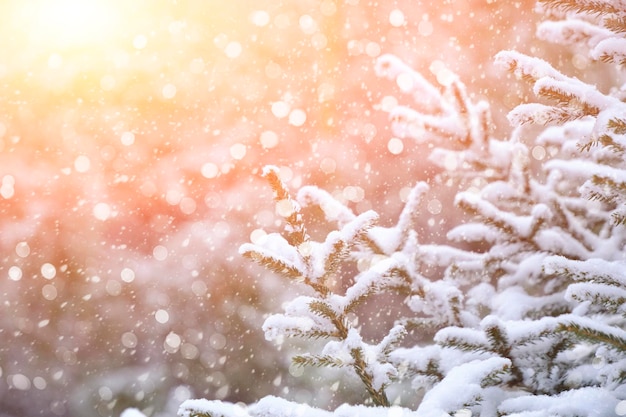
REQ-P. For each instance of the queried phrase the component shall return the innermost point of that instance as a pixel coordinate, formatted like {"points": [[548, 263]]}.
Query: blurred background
{"points": [[132, 134]]}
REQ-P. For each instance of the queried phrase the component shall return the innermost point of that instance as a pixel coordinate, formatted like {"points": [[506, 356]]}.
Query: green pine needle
{"points": [[594, 7], [594, 335], [318, 361], [275, 265]]}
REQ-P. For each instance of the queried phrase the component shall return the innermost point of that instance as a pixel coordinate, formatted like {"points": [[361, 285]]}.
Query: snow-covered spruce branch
{"points": [[449, 115], [517, 324], [600, 7], [326, 314], [296, 231], [588, 329]]}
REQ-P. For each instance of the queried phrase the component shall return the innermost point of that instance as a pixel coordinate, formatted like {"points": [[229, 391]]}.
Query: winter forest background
{"points": [[133, 137]]}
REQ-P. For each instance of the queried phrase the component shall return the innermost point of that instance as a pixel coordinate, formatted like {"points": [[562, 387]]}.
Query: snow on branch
{"points": [[450, 116], [507, 223], [266, 407], [325, 258], [333, 209], [275, 253], [526, 67], [464, 386], [596, 269], [577, 96], [412, 82], [389, 240], [286, 207], [587, 401], [580, 168], [610, 50], [465, 339], [271, 406], [608, 297], [592, 330], [298, 321], [572, 32], [541, 114], [486, 330], [410, 211], [409, 123], [574, 98]]}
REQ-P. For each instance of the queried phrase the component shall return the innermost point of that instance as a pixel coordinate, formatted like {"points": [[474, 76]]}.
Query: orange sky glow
{"points": [[132, 136]]}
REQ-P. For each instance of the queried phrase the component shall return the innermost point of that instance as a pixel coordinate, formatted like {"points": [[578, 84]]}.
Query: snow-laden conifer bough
{"points": [[529, 325]]}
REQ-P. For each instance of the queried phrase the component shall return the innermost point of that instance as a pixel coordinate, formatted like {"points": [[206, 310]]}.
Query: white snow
{"points": [[411, 208], [215, 408], [588, 402], [580, 92], [452, 335], [524, 65], [462, 386], [271, 406], [391, 67], [515, 303], [332, 208], [132, 412], [572, 32], [591, 269], [522, 237], [536, 113], [611, 47], [298, 319]]}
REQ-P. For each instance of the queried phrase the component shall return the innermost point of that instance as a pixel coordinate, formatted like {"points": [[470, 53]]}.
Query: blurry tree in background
{"points": [[131, 137]]}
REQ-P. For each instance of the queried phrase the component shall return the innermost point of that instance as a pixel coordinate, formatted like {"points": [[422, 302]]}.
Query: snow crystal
{"points": [[270, 169]]}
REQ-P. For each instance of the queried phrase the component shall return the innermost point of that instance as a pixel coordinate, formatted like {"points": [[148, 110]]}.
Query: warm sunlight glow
{"points": [[69, 23]]}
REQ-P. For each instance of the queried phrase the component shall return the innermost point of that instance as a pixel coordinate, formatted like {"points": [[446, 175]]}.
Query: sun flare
{"points": [[69, 23]]}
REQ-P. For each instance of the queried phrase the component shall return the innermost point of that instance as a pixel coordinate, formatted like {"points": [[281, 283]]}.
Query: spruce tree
{"points": [[522, 311]]}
